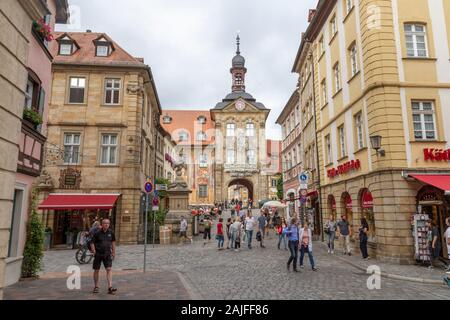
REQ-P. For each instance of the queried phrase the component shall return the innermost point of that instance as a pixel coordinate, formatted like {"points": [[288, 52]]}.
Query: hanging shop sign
{"points": [[436, 154], [348, 202], [344, 168], [332, 202]]}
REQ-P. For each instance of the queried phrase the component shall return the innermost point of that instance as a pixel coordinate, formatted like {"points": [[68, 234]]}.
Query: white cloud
{"points": [[190, 44]]}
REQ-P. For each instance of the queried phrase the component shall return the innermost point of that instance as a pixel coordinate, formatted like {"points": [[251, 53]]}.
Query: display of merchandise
{"points": [[421, 238]]}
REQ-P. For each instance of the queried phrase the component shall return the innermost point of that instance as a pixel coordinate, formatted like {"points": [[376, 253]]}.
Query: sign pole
{"points": [[147, 202], [154, 224]]}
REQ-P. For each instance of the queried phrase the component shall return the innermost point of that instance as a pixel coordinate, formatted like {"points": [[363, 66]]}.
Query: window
{"points": [[29, 92], [102, 51], [231, 127], [354, 59], [201, 136], [167, 120], [183, 136], [109, 149], [251, 157], [321, 47], [424, 120], [288, 125], [112, 91], [274, 183], [416, 40], [203, 191], [299, 151], [203, 161], [342, 141], [333, 26], [324, 92], [349, 5], [297, 116], [293, 121], [250, 130], [65, 48], [328, 148], [230, 156], [71, 148], [169, 176], [337, 78], [294, 152], [77, 90], [289, 161], [201, 120], [359, 131]]}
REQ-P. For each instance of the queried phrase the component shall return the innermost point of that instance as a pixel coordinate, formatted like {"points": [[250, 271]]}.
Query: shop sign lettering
{"points": [[344, 168], [436, 155]]}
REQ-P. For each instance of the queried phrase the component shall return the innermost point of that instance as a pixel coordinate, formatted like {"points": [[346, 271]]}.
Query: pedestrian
{"points": [[434, 243], [292, 232], [345, 233], [103, 247], [363, 238], [250, 204], [269, 222], [330, 231], [207, 223], [276, 219], [219, 235], [183, 231], [228, 226], [262, 225], [281, 235], [306, 246], [250, 223], [447, 240], [236, 230]]}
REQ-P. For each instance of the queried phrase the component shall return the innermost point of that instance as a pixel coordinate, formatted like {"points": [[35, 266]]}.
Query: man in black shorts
{"points": [[103, 246]]}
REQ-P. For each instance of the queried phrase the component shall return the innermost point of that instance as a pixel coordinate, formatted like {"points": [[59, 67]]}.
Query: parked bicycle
{"points": [[84, 254]]}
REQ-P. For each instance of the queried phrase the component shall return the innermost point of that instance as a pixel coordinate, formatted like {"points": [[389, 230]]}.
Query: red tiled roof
{"points": [[187, 120], [86, 52]]}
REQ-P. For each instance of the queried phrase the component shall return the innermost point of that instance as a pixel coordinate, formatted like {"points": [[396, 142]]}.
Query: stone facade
{"points": [[131, 121]]}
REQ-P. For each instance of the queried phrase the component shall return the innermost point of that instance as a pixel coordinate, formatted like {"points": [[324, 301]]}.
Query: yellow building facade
{"points": [[381, 71]]}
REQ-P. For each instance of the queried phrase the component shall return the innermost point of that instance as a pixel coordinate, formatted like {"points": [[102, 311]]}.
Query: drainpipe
{"points": [[311, 57]]}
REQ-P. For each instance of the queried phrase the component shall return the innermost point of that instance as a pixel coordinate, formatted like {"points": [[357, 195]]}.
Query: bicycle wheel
{"points": [[83, 256]]}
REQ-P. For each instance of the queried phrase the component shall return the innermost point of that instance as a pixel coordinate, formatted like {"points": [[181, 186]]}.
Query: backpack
{"points": [[207, 224], [258, 236]]}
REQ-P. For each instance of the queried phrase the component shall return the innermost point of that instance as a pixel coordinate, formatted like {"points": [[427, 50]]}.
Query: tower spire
{"points": [[238, 43]]}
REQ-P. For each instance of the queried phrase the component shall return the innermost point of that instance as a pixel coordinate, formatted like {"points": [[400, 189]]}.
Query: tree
{"points": [[280, 192], [33, 253]]}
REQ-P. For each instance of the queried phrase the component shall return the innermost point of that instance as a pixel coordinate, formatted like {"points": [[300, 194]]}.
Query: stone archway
{"points": [[246, 183]]}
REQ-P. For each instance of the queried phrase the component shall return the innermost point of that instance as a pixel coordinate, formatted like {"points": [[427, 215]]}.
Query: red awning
{"points": [[79, 201], [440, 181]]}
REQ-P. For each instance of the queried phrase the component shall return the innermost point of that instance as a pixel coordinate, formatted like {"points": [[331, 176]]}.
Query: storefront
{"points": [[433, 200], [69, 214]]}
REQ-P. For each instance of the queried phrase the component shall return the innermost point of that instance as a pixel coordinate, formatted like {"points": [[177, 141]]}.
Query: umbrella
{"points": [[274, 204]]}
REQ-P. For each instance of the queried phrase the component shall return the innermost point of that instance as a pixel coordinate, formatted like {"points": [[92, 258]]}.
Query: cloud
{"points": [[190, 44]]}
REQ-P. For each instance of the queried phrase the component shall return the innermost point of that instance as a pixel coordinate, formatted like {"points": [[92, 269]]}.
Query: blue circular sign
{"points": [[304, 177], [148, 187]]}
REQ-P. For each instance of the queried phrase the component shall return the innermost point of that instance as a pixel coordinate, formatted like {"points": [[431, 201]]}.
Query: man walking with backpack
{"points": [[207, 234]]}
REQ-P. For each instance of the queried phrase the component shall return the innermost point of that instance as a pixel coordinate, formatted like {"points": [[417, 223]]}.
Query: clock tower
{"points": [[238, 70]]}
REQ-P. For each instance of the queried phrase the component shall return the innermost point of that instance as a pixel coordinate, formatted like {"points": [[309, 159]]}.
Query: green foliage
{"points": [[32, 116], [34, 247], [280, 191], [160, 216]]}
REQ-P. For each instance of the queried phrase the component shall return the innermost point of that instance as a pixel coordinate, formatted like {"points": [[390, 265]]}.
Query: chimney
{"points": [[312, 13], [89, 31]]}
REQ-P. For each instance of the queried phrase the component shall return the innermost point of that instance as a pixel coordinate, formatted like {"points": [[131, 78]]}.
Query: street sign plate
{"points": [[304, 186], [161, 187], [148, 187], [155, 208], [155, 201]]}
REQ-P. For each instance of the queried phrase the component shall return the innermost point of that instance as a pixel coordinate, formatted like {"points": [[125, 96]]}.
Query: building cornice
{"points": [[36, 9]]}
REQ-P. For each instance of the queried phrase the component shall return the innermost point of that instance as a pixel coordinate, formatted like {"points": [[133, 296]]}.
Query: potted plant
{"points": [[33, 117], [43, 30]]}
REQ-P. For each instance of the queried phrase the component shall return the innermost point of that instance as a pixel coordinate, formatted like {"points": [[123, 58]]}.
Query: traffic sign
{"points": [[303, 177], [304, 186], [161, 187], [148, 187], [155, 208], [303, 192], [155, 201]]}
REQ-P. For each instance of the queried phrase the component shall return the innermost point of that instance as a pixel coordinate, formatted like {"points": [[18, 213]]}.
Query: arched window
{"points": [[201, 136], [231, 128], [366, 204], [250, 132], [183, 136], [201, 119]]}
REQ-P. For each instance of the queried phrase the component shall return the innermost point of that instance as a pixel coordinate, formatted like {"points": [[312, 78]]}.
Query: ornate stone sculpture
{"points": [[134, 88], [45, 180], [178, 166]]}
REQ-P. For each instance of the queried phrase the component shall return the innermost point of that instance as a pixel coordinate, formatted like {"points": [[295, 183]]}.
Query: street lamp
{"points": [[376, 145]]}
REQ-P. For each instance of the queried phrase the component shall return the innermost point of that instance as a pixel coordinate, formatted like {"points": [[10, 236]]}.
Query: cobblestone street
{"points": [[202, 272]]}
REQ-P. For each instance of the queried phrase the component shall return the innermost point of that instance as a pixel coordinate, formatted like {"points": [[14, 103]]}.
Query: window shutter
{"points": [[41, 105]]}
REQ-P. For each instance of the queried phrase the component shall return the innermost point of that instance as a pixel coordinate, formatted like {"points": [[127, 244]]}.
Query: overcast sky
{"points": [[189, 45]]}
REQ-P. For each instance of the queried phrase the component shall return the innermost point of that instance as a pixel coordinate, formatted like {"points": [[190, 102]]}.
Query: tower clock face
{"points": [[240, 105]]}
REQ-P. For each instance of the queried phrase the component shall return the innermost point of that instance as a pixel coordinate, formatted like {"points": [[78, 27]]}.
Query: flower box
{"points": [[43, 30]]}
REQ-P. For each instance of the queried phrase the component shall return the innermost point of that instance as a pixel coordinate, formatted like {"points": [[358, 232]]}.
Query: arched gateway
{"points": [[240, 189]]}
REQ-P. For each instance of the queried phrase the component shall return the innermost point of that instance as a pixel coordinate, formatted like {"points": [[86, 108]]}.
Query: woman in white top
{"points": [[306, 246], [235, 231]]}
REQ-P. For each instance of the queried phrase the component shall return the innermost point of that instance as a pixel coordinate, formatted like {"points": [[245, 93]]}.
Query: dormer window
{"points": [[66, 46], [103, 47], [167, 119], [201, 119]]}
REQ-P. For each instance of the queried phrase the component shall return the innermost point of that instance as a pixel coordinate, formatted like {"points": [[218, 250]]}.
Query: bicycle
{"points": [[84, 254]]}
